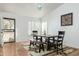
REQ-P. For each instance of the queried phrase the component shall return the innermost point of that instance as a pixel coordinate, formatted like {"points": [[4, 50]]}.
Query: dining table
{"points": [[45, 40]]}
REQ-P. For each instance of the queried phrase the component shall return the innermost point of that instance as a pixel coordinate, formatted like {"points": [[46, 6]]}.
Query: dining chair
{"points": [[33, 42], [58, 41], [37, 43], [50, 42], [40, 43]]}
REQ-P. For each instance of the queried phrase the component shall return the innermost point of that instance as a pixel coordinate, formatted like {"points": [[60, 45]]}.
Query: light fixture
{"points": [[39, 6]]}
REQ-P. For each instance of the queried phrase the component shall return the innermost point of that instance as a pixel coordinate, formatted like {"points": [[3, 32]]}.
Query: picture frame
{"points": [[67, 19]]}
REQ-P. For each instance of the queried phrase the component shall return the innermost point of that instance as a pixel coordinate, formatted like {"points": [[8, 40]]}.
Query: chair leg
{"points": [[62, 48], [43, 47], [39, 48], [30, 46], [33, 43], [57, 49], [35, 49], [47, 46], [30, 43]]}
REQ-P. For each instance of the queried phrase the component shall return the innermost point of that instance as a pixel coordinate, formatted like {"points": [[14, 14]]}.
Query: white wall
{"points": [[22, 28], [71, 32], [21, 25]]}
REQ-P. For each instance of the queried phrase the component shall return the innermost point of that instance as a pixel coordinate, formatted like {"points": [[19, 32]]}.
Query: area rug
{"points": [[67, 51]]}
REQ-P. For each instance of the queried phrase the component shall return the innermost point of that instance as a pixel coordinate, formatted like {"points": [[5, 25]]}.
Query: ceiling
{"points": [[29, 9]]}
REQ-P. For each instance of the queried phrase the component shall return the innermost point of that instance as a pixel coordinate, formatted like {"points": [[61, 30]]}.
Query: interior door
{"points": [[8, 30]]}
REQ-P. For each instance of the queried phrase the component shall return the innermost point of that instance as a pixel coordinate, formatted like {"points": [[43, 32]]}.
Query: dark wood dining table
{"points": [[46, 41]]}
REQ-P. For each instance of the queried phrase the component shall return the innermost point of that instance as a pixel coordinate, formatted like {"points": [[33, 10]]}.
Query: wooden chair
{"points": [[58, 41], [33, 42], [37, 42], [50, 42], [40, 43]]}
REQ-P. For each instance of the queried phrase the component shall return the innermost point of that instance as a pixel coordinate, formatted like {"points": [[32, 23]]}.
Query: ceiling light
{"points": [[39, 6]]}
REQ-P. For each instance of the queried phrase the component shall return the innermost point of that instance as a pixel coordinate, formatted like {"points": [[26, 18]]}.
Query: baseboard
{"points": [[9, 42]]}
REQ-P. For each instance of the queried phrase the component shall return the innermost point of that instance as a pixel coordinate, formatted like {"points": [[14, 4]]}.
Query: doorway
{"points": [[8, 30]]}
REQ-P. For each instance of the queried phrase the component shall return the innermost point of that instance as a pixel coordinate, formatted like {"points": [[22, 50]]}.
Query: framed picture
{"points": [[67, 19]]}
